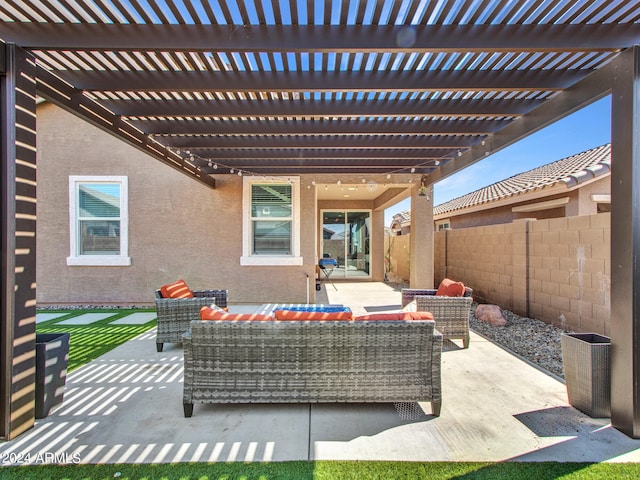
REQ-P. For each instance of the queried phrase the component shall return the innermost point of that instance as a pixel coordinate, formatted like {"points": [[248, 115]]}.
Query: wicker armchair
{"points": [[175, 314], [450, 313]]}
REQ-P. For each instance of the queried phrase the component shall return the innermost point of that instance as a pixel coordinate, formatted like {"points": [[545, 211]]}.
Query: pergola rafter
{"points": [[321, 38]]}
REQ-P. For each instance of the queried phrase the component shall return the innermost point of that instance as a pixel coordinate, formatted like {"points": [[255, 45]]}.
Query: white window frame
{"points": [[249, 259], [74, 258], [440, 224]]}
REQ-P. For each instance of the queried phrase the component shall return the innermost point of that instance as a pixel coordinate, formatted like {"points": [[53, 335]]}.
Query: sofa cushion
{"points": [[418, 316], [382, 316], [301, 315], [177, 289], [208, 313], [450, 288], [396, 316]]}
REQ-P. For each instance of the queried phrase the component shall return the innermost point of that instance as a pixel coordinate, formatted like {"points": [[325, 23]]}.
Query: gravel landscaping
{"points": [[532, 339]]}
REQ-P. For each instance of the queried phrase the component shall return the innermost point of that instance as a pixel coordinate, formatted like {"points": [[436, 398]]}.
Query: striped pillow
{"points": [[178, 289], [209, 313]]}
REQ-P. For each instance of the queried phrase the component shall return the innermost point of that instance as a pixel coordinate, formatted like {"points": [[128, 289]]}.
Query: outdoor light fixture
{"points": [[422, 191]]}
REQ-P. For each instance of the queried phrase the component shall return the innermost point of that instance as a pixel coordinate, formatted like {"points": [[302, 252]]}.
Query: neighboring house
{"points": [[576, 185]]}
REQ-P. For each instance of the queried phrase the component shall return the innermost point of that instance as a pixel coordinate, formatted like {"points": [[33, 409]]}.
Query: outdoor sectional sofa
{"points": [[311, 361], [174, 314]]}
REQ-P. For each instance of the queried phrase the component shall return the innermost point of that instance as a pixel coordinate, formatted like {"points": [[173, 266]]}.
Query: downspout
{"points": [[526, 268]]}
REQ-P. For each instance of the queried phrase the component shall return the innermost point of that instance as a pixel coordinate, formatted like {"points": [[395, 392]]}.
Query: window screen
{"points": [[271, 219]]}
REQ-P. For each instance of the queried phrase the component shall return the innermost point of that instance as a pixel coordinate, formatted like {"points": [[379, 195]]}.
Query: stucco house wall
{"points": [[178, 228]]}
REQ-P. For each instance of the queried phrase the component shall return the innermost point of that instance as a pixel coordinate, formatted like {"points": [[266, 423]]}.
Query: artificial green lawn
{"points": [[325, 470], [87, 342]]}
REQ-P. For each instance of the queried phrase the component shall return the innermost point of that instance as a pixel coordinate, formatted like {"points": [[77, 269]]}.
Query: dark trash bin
{"points": [[587, 371], [52, 356]]}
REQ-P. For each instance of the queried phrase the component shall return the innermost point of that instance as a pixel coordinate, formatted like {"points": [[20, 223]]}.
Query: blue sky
{"points": [[587, 128]]}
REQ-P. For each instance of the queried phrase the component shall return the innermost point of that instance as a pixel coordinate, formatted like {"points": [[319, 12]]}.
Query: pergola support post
{"points": [[17, 317], [625, 244], [421, 239]]}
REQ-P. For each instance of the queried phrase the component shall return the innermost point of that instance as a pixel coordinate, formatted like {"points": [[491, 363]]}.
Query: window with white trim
{"points": [[99, 221], [443, 224], [271, 222]]}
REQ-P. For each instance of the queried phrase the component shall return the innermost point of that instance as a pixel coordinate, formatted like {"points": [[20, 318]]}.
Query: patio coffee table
{"points": [[269, 308]]}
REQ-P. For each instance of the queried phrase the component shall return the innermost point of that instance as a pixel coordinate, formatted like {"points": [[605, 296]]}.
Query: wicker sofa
{"points": [[174, 314], [451, 314], [312, 362]]}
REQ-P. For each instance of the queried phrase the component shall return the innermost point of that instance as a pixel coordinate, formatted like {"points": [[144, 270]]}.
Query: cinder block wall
{"points": [[556, 270], [570, 271], [398, 246], [482, 258]]}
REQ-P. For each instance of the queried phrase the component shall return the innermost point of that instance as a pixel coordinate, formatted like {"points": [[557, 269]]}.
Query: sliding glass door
{"points": [[345, 237]]}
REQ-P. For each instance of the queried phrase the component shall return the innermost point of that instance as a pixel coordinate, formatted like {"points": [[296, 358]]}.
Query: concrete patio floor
{"points": [[126, 407]]}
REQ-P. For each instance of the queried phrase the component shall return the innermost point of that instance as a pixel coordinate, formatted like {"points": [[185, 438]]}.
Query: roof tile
{"points": [[570, 170]]}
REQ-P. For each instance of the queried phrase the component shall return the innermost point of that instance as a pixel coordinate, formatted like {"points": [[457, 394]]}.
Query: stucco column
{"points": [[376, 263], [421, 240]]}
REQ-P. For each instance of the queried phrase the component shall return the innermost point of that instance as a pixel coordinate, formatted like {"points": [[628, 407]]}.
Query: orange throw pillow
{"points": [[208, 313], [178, 289], [418, 316], [299, 315], [450, 288]]}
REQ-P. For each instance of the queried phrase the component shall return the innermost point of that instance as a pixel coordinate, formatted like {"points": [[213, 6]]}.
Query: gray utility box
{"points": [[52, 356], [587, 371]]}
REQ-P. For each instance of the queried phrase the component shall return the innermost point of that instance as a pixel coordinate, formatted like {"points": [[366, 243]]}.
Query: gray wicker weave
{"points": [[586, 359], [312, 362], [450, 313], [174, 314]]}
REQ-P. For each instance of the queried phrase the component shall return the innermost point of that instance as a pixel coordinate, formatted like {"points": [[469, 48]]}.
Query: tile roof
{"points": [[570, 170]]}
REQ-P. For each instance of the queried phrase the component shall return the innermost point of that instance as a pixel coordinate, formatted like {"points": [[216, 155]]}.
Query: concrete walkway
{"points": [[126, 406]]}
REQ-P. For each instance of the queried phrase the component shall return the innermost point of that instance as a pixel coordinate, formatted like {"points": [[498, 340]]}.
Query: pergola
{"points": [[309, 87]]}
